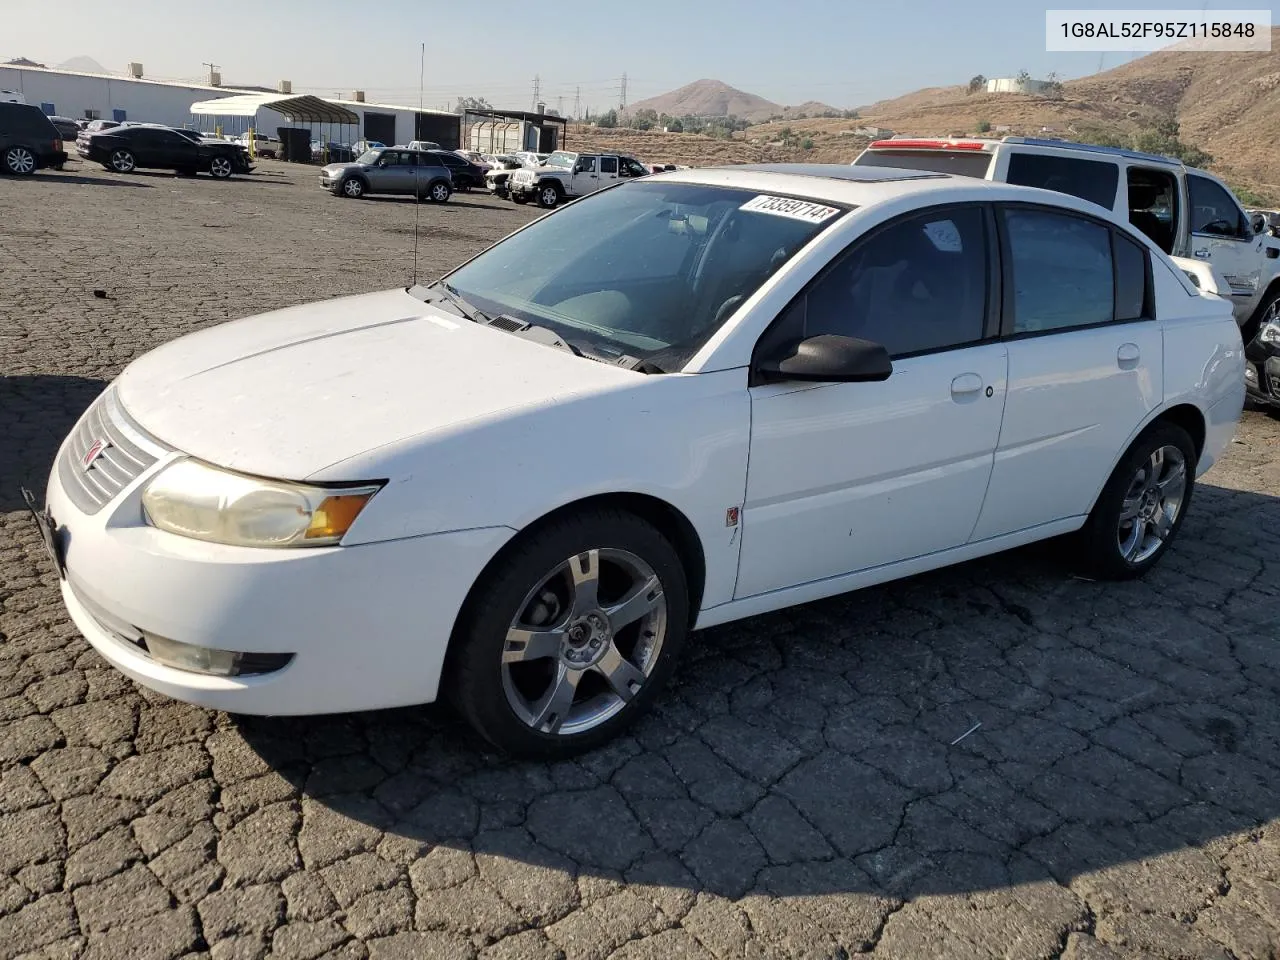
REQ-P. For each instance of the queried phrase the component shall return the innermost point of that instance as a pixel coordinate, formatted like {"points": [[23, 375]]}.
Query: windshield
{"points": [[560, 159], [963, 163], [369, 157], [647, 269]]}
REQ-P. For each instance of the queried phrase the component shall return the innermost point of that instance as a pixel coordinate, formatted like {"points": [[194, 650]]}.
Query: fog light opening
{"points": [[211, 661]]}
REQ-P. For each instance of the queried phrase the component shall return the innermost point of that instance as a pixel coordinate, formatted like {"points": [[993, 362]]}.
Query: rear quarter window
{"points": [[27, 120], [1092, 180]]}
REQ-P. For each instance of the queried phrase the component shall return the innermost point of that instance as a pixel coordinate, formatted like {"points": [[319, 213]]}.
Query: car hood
{"points": [[288, 393], [540, 171], [336, 168]]}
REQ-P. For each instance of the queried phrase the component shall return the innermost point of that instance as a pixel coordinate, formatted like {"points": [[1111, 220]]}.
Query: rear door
{"points": [[1086, 364], [608, 171]]}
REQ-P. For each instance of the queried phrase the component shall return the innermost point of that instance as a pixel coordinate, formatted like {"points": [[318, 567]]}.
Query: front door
{"points": [[844, 477], [1221, 234], [1086, 366], [395, 172], [586, 176]]}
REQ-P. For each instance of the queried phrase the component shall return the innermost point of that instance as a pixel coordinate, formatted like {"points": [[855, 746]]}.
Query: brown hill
{"points": [[710, 98]]}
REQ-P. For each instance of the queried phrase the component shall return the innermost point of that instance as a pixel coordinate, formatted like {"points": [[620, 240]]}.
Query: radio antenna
{"points": [[417, 122]]}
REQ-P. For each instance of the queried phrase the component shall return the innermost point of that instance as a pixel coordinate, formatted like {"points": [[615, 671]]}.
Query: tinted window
{"points": [[451, 160], [429, 160], [608, 164], [963, 163], [634, 167], [1213, 211], [1131, 279], [1061, 271], [918, 285], [1093, 180], [27, 120]]}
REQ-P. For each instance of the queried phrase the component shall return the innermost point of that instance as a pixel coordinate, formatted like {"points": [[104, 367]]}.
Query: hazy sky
{"points": [[843, 52]]}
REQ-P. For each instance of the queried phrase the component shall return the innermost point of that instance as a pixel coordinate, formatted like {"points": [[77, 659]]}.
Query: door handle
{"points": [[966, 387], [1128, 355], [1202, 254]]}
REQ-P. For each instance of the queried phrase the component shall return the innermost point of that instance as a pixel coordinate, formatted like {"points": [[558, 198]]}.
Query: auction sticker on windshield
{"points": [[786, 207]]}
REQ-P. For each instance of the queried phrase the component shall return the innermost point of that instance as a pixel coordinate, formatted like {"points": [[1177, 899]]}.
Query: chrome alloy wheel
{"points": [[1152, 504], [20, 161], [585, 640]]}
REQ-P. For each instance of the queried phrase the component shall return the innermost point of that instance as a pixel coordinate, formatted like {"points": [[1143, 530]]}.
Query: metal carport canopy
{"points": [[305, 109]]}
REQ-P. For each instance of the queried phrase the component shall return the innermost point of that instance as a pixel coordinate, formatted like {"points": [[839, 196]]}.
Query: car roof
{"points": [[868, 186]]}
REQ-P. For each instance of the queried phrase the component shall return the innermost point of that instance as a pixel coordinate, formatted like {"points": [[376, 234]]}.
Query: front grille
{"points": [[125, 450]]}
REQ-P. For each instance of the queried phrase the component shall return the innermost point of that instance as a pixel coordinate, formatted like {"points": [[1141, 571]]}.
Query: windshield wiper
{"points": [[474, 314]]}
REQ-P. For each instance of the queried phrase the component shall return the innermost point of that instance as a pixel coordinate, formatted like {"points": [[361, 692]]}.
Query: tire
{"points": [[519, 198], [439, 192], [351, 187], [509, 696], [221, 168], [1154, 480], [1268, 309], [549, 195], [20, 161], [122, 161]]}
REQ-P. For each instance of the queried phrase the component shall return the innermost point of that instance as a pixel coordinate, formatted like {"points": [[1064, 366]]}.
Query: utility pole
{"points": [[537, 90], [622, 100], [577, 103]]}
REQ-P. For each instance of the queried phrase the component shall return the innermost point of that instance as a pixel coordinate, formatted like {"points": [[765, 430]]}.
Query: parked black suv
{"points": [[125, 149], [28, 141], [465, 173]]}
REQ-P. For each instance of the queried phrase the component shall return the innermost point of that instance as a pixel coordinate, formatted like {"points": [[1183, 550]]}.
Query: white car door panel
{"points": [[845, 477], [848, 476], [1074, 398], [1085, 366], [1221, 235]]}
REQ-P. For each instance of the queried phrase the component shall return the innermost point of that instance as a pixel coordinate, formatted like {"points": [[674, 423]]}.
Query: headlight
{"points": [[1270, 332], [193, 499]]}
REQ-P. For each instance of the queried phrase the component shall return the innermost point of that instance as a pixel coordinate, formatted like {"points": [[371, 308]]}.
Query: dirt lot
{"points": [[805, 790]]}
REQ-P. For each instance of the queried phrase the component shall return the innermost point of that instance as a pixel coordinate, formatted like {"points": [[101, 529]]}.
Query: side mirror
{"points": [[1258, 223], [827, 358]]}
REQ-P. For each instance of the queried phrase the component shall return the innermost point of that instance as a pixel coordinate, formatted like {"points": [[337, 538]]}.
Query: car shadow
{"points": [[36, 414], [77, 178], [979, 728], [453, 201]]}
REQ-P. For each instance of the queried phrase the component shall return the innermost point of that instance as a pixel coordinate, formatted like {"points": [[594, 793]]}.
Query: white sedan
{"points": [[689, 399]]}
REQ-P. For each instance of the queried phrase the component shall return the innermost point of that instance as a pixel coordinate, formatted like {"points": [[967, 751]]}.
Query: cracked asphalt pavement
{"points": [[996, 760]]}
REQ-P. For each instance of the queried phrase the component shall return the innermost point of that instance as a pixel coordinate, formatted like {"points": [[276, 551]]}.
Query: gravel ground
{"points": [[803, 790]]}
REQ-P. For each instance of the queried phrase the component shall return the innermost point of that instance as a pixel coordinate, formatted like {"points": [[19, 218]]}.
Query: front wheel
{"points": [[1140, 510], [20, 161], [352, 187], [1268, 312], [548, 196], [519, 198], [570, 636], [122, 161], [220, 167]]}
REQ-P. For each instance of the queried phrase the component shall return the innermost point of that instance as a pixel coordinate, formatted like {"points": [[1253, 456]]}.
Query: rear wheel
{"points": [[122, 161], [438, 192], [220, 167], [20, 161], [1140, 510], [570, 635]]}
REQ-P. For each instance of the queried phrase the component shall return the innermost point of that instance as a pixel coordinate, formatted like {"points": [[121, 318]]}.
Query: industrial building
{"points": [[211, 107]]}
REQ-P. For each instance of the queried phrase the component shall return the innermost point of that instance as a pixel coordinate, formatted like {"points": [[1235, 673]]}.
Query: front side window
{"points": [[1214, 211], [647, 269], [1092, 180], [1061, 271], [917, 285], [585, 165]]}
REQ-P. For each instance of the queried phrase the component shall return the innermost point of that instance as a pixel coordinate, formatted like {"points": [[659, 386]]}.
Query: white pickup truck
{"points": [[1190, 214], [566, 176]]}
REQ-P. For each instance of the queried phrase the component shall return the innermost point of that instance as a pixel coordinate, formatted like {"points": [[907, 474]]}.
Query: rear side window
{"points": [[1092, 180], [1062, 271], [608, 164], [963, 163], [1131, 279], [918, 285]]}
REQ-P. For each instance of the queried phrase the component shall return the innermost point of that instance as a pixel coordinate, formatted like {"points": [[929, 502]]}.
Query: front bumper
{"points": [[522, 189], [368, 625]]}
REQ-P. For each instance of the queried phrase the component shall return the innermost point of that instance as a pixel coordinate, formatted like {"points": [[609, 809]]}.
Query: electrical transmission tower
{"points": [[622, 94], [577, 103], [537, 90]]}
